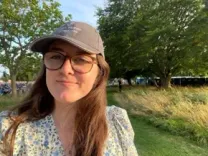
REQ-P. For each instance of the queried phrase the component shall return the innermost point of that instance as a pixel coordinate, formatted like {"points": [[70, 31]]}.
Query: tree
{"points": [[163, 37], [113, 22], [21, 21], [206, 4], [175, 36], [33, 65], [5, 76]]}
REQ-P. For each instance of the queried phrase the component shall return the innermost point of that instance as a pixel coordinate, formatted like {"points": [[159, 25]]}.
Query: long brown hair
{"points": [[90, 125]]}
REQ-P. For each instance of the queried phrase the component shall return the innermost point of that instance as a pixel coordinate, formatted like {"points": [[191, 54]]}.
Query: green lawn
{"points": [[7, 101], [151, 141]]}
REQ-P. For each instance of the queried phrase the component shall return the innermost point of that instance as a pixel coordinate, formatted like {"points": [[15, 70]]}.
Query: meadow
{"points": [[166, 122]]}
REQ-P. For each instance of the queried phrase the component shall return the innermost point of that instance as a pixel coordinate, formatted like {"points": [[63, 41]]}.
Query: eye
{"points": [[82, 60], [56, 57], [53, 56]]}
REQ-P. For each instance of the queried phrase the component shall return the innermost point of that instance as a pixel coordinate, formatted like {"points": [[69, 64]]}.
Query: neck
{"points": [[64, 115]]}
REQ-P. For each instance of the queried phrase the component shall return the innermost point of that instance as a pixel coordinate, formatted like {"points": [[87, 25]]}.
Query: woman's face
{"points": [[65, 84]]}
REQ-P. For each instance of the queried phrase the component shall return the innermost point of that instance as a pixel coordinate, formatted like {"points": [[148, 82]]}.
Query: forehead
{"points": [[67, 48]]}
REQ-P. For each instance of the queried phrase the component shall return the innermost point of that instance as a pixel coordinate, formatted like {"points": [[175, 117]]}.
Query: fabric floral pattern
{"points": [[40, 138]]}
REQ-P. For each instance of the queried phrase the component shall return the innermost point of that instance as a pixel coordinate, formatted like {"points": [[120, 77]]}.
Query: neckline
{"points": [[53, 126], [54, 129]]}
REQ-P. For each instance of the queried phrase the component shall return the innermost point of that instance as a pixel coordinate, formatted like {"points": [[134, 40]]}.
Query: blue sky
{"points": [[81, 10]]}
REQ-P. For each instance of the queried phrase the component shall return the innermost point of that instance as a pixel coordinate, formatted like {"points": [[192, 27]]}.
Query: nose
{"points": [[67, 67]]}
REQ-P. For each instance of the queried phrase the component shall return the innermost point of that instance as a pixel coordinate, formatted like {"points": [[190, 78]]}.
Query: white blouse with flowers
{"points": [[40, 138]]}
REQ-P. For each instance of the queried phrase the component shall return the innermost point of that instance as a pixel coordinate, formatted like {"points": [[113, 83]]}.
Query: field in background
{"points": [[181, 111], [150, 138], [7, 101]]}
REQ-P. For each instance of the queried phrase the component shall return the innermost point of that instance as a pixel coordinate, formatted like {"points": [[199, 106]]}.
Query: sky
{"points": [[81, 10]]}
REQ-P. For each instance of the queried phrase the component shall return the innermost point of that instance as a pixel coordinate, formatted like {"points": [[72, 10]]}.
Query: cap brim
{"points": [[41, 44]]}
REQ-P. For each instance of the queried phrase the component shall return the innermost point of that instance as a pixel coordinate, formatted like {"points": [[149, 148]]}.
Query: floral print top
{"points": [[40, 138]]}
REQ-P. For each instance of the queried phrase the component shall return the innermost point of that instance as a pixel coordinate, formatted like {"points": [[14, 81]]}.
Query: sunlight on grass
{"points": [[183, 111]]}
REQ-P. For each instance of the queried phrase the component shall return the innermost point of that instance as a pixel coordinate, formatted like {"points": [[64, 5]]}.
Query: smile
{"points": [[66, 83]]}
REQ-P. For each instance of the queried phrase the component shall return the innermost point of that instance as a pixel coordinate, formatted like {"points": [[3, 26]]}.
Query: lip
{"points": [[65, 82]]}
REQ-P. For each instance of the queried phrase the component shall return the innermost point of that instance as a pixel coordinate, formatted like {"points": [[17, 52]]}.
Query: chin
{"points": [[68, 98]]}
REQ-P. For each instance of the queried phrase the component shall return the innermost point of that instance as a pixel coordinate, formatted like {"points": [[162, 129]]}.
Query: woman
{"points": [[65, 113]]}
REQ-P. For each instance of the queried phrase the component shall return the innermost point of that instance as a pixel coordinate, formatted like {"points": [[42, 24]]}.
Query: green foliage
{"points": [[21, 22], [171, 29], [5, 76], [113, 23], [155, 38], [33, 65]]}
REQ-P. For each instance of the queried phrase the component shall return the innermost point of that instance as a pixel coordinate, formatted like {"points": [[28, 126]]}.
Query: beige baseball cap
{"points": [[79, 34]]}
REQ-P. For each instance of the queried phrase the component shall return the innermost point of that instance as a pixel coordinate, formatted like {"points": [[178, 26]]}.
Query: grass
{"points": [[7, 101], [150, 140], [181, 111]]}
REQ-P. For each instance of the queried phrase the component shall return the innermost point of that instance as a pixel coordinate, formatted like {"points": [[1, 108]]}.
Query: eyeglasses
{"points": [[80, 63]]}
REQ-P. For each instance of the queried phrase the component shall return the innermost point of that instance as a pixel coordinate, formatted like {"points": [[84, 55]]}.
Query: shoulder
{"points": [[4, 118], [120, 120], [120, 129], [5, 122], [117, 113]]}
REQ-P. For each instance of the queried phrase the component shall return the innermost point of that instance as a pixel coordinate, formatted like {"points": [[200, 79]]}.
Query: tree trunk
{"points": [[129, 81], [166, 81], [13, 85], [154, 82]]}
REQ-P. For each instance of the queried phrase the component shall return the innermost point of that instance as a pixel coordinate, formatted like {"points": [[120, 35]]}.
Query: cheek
{"points": [[50, 78], [87, 81]]}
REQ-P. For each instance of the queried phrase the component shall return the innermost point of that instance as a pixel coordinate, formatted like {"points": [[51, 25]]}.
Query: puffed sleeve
{"points": [[4, 125], [124, 130]]}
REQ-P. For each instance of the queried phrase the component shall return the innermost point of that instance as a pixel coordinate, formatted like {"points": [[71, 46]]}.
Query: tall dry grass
{"points": [[183, 111]]}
